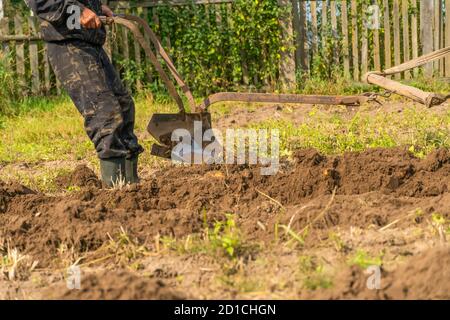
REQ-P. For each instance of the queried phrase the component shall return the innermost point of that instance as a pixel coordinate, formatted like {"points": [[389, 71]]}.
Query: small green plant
{"points": [[131, 73], [337, 241], [418, 215], [313, 274], [438, 219], [223, 239], [439, 224], [226, 237], [294, 237], [363, 260]]}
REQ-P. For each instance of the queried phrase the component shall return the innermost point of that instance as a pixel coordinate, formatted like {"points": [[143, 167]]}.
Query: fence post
{"points": [[324, 16], [364, 44], [397, 41], [426, 31], [405, 20], [355, 39], [414, 34], [437, 32], [297, 33], [287, 64], [387, 35], [376, 45], [34, 58], [4, 29], [334, 30], [303, 37], [345, 39], [20, 54], [314, 30]]}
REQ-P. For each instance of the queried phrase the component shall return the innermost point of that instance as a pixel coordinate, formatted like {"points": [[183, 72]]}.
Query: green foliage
{"points": [[13, 7], [13, 102], [226, 236], [213, 60], [8, 92], [313, 274], [324, 64], [224, 239], [130, 72]]}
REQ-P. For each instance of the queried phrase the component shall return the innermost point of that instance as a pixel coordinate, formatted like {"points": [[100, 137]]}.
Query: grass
{"points": [[55, 132], [13, 264], [45, 137], [50, 131], [420, 130], [364, 260], [313, 274], [223, 240]]}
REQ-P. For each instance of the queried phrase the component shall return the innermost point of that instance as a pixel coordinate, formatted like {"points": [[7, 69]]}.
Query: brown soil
{"points": [[371, 189], [425, 276], [170, 203], [122, 285], [82, 176]]}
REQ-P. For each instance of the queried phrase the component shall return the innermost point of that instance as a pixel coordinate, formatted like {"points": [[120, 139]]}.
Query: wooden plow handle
{"points": [[429, 99]]}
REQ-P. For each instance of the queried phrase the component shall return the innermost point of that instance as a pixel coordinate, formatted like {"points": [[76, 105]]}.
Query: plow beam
{"points": [[283, 99]]}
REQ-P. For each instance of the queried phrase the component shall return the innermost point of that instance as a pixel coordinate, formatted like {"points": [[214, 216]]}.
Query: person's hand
{"points": [[107, 11], [90, 20]]}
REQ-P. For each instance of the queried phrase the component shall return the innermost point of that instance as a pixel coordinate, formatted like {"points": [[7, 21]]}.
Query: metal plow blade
{"points": [[165, 126]]}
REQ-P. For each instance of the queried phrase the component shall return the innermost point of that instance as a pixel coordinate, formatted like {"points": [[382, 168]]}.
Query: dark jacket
{"points": [[55, 14]]}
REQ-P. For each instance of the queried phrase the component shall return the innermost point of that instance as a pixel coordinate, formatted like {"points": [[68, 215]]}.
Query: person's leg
{"points": [[128, 113], [78, 66]]}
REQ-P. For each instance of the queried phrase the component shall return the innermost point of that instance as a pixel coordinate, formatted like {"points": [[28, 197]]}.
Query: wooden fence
{"points": [[364, 35], [372, 35]]}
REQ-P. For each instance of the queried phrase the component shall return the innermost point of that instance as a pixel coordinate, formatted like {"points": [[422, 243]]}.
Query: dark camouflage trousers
{"points": [[94, 86]]}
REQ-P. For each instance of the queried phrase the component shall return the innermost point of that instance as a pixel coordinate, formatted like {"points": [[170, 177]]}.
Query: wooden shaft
{"points": [[427, 98]]}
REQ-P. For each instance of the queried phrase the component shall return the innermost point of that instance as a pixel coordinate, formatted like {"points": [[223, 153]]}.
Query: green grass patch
{"points": [[49, 129], [40, 130], [224, 239], [364, 260], [313, 274], [420, 130], [54, 132]]}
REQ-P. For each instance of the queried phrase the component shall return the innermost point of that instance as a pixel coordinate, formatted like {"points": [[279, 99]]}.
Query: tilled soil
{"points": [[375, 189], [121, 285], [424, 276]]}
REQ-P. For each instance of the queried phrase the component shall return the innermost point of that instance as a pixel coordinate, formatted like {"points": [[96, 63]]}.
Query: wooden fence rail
{"points": [[363, 34], [375, 36]]}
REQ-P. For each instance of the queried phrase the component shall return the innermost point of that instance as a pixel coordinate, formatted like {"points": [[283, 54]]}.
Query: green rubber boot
{"points": [[131, 170], [112, 171]]}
